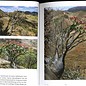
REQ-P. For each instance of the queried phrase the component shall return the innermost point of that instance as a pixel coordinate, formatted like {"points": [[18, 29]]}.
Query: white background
{"points": [[32, 75]]}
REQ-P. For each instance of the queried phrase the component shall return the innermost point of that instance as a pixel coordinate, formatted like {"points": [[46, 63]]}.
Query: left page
{"points": [[19, 35]]}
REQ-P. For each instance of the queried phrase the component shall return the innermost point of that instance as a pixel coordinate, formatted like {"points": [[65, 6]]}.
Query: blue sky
{"points": [[20, 8]]}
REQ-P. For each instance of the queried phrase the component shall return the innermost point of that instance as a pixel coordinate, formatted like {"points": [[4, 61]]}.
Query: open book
{"points": [[42, 44]]}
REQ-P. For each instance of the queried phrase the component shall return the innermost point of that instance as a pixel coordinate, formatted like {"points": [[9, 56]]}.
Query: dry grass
{"points": [[76, 60]]}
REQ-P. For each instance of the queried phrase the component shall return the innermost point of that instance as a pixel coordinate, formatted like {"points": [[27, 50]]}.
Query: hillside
{"points": [[75, 67], [18, 53], [18, 23], [2, 14]]}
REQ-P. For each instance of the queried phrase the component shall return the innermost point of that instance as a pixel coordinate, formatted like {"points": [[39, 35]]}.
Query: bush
{"points": [[71, 75]]}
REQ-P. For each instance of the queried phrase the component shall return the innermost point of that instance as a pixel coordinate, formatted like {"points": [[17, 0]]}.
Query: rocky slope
{"points": [[18, 23]]}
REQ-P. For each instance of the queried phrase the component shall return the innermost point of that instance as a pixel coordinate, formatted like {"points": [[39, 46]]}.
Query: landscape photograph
{"points": [[18, 53], [18, 21], [65, 43]]}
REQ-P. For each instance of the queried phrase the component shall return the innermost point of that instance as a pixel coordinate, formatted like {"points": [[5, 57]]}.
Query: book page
{"points": [[19, 40], [63, 43]]}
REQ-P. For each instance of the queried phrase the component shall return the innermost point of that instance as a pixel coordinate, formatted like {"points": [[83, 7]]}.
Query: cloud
{"points": [[6, 8], [16, 7], [26, 6], [20, 8]]}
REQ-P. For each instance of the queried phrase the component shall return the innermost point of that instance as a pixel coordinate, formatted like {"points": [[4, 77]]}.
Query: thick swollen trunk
{"points": [[56, 69]]}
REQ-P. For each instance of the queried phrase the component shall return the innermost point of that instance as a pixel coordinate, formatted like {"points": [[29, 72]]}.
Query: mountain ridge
{"points": [[77, 8]]}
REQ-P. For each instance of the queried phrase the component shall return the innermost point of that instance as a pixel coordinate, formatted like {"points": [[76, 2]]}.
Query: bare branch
{"points": [[73, 40], [78, 42]]}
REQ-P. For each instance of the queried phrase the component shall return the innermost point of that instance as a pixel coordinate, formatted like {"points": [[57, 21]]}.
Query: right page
{"points": [[63, 42]]}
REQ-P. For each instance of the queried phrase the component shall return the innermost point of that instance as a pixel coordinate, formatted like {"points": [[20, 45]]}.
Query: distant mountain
{"points": [[78, 8], [28, 12], [35, 13], [32, 13]]}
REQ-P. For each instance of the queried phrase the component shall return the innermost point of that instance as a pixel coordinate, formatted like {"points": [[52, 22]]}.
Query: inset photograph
{"points": [[18, 53], [18, 21], [65, 43]]}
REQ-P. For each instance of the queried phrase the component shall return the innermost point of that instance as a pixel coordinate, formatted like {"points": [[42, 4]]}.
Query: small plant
{"points": [[70, 74]]}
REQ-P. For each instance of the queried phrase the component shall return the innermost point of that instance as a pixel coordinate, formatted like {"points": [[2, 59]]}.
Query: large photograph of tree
{"points": [[65, 43], [18, 21], [18, 53]]}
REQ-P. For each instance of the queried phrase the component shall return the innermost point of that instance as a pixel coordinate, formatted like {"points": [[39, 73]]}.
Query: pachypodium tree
{"points": [[19, 52], [65, 40], [14, 49], [14, 18]]}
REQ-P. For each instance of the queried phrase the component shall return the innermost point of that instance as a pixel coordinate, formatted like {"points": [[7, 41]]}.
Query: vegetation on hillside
{"points": [[65, 32], [20, 53], [18, 23]]}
